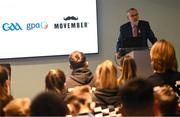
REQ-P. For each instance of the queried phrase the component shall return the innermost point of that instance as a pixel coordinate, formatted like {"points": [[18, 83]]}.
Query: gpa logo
{"points": [[41, 25], [11, 27]]}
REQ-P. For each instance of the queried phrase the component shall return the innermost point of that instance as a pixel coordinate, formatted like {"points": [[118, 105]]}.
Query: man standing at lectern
{"points": [[134, 29]]}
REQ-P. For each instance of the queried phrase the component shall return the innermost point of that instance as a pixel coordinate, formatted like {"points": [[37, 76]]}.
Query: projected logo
{"points": [[11, 27], [40, 25], [71, 22], [70, 18]]}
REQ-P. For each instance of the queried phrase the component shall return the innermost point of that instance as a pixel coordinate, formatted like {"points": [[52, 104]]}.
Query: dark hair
{"points": [[4, 96], [3, 75], [77, 59], [137, 97], [48, 104], [55, 80], [7, 66]]}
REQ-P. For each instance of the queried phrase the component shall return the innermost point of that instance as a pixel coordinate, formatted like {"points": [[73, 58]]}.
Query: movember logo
{"points": [[74, 24], [70, 18]]}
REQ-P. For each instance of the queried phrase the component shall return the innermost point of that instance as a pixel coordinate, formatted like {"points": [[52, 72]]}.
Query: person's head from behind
{"points": [[4, 83], [77, 60], [166, 99], [137, 98], [55, 81], [48, 104], [17, 107], [80, 100], [106, 75], [133, 15], [128, 69], [8, 68], [163, 56]]}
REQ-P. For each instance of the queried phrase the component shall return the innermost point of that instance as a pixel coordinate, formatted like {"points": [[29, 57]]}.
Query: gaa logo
{"points": [[11, 27]]}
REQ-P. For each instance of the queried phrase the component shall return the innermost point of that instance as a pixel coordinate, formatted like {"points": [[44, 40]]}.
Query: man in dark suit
{"points": [[134, 29]]}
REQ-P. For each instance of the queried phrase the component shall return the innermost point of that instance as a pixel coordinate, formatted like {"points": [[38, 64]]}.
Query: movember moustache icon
{"points": [[70, 18]]}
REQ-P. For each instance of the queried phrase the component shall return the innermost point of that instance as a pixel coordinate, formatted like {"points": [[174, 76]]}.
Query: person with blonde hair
{"points": [[79, 101], [18, 107], [166, 101], [106, 85], [164, 63], [128, 69]]}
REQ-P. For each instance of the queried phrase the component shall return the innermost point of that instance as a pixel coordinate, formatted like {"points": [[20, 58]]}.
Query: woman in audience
{"points": [[106, 85], [166, 101], [80, 101], [55, 81], [17, 107], [5, 96], [164, 63], [128, 70]]}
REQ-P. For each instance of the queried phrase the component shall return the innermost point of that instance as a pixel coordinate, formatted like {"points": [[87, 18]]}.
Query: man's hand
{"points": [[118, 55]]}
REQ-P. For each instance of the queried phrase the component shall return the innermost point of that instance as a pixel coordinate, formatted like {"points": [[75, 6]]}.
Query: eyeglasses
{"points": [[134, 15]]}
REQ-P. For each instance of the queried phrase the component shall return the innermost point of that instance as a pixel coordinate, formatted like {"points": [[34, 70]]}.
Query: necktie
{"points": [[135, 34]]}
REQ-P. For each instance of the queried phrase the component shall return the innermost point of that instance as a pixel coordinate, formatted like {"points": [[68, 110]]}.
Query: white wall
{"points": [[163, 15]]}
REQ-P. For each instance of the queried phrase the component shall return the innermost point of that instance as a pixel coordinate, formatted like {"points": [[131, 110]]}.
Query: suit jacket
{"points": [[144, 33]]}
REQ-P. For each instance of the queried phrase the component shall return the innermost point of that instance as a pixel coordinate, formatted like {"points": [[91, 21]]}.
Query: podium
{"points": [[143, 62]]}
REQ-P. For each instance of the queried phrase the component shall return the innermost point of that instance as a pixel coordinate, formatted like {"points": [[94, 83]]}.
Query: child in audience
{"points": [[106, 92], [128, 70], [164, 63], [137, 98], [166, 100], [5, 96], [17, 107], [55, 81], [48, 104], [80, 101], [81, 74]]}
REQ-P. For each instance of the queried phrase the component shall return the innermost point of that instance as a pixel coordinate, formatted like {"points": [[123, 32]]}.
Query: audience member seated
{"points": [[166, 101], [137, 98], [48, 104], [106, 92], [128, 70], [164, 63], [17, 107], [80, 74], [55, 81], [8, 68], [5, 96], [80, 102]]}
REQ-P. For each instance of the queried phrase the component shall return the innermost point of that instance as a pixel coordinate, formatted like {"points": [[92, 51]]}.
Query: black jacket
{"points": [[81, 76], [169, 78], [105, 97]]}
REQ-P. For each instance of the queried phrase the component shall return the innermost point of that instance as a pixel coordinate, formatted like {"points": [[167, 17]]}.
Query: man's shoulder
{"points": [[125, 25], [143, 22]]}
